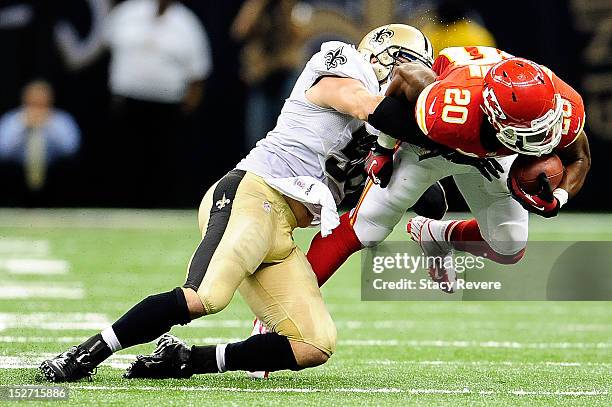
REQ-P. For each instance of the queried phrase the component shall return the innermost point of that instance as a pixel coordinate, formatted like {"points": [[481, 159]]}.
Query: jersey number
{"points": [[455, 102], [349, 170], [567, 117]]}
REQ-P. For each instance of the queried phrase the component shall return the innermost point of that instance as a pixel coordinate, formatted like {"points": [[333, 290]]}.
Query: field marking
{"points": [[247, 324], [355, 342], [119, 219], [476, 344], [386, 390], [35, 266], [485, 363], [33, 360], [123, 360], [10, 246], [54, 321], [23, 291]]}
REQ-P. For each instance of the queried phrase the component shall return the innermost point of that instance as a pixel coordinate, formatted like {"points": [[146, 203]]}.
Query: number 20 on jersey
{"points": [[455, 105]]}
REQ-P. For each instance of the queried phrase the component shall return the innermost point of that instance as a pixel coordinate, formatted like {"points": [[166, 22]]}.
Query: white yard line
{"points": [[476, 344], [35, 266], [99, 219], [53, 321], [355, 342], [375, 390], [24, 247], [33, 360], [22, 291], [123, 360], [509, 363], [69, 322]]}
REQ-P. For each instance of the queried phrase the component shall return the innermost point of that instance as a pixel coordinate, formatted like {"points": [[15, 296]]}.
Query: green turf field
{"points": [[91, 266]]}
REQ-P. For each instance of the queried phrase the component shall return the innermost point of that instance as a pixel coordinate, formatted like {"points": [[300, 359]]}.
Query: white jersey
{"points": [[313, 141]]}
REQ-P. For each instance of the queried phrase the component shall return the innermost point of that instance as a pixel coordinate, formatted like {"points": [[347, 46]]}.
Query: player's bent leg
{"points": [[466, 236], [380, 209], [327, 254], [283, 293], [173, 358], [307, 355], [215, 278], [501, 226], [287, 299]]}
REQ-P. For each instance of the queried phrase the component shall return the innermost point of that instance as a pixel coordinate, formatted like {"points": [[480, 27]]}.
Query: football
{"points": [[526, 169]]}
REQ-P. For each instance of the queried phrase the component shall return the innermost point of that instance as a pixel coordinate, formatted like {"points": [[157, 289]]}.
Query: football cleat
{"points": [[72, 365], [171, 359], [259, 328], [437, 250]]}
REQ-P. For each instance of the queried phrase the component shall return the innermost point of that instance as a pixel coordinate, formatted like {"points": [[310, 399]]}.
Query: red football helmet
{"points": [[522, 104]]}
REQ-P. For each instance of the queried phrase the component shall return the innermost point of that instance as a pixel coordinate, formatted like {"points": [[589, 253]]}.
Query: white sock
{"points": [[221, 358], [111, 339], [440, 230]]}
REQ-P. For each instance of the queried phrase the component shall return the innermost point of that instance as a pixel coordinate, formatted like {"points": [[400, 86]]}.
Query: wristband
{"points": [[561, 195]]}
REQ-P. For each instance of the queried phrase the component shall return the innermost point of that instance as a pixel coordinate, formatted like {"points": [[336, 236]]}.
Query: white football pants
{"points": [[503, 222]]}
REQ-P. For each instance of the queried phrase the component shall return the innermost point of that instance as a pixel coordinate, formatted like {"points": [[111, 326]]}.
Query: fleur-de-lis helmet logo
{"points": [[381, 35], [334, 58]]}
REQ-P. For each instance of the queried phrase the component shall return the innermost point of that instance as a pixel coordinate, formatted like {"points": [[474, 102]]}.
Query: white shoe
{"points": [[258, 329], [430, 236]]}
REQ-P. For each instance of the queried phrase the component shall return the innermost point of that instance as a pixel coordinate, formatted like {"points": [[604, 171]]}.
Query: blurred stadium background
{"points": [[165, 154]]}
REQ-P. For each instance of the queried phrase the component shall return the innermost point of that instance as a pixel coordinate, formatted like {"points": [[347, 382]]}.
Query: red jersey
{"points": [[449, 110]]}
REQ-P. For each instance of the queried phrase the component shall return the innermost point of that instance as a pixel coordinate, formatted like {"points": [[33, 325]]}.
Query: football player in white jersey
{"points": [[293, 178]]}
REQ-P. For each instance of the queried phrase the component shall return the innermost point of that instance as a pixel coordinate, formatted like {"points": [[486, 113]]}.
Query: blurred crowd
{"points": [[160, 97]]}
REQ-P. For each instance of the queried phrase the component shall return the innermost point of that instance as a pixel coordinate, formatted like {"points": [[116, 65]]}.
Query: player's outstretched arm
{"points": [[392, 114], [576, 159], [345, 95]]}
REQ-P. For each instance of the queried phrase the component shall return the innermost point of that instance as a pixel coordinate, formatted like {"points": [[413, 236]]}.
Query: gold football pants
{"points": [[247, 245]]}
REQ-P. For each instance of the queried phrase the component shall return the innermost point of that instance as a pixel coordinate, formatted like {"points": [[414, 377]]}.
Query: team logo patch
{"points": [[492, 103], [382, 35], [335, 58], [267, 206], [223, 202]]}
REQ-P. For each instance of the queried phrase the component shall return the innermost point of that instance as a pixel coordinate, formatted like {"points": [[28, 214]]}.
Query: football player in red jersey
{"points": [[484, 107]]}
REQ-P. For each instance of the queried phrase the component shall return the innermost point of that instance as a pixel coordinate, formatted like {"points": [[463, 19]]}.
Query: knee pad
{"points": [[329, 337], [320, 333], [215, 297], [508, 239], [369, 232]]}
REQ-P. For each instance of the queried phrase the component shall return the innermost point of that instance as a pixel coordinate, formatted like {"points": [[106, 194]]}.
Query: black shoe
{"points": [[171, 359], [72, 365]]}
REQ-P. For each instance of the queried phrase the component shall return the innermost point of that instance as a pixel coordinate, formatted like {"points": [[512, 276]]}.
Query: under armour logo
{"points": [[221, 203], [334, 58], [382, 35]]}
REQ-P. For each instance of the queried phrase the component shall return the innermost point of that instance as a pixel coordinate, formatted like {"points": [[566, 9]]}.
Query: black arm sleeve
{"points": [[396, 118]]}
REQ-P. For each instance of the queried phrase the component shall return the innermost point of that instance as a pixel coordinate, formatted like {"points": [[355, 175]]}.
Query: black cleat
{"points": [[171, 359], [72, 365]]}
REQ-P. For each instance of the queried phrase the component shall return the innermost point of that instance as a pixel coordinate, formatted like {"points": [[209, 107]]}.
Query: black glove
{"points": [[379, 165], [486, 166]]}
